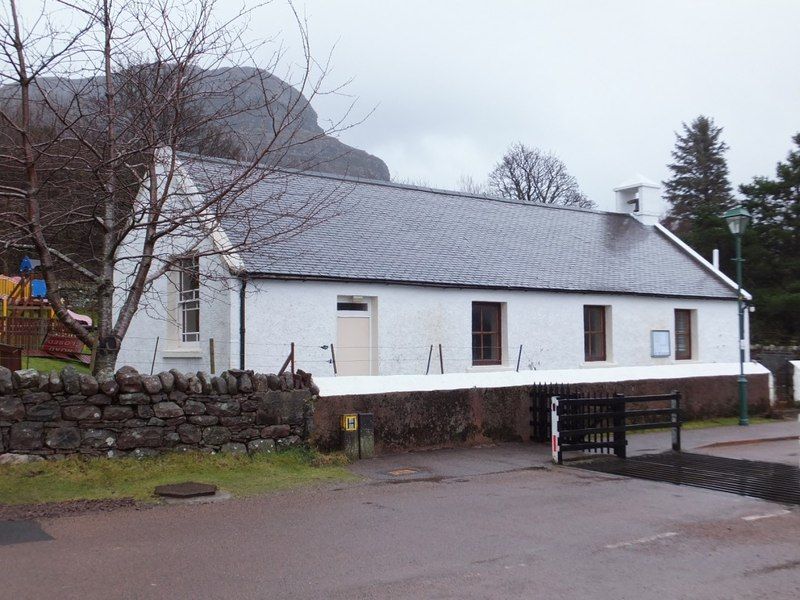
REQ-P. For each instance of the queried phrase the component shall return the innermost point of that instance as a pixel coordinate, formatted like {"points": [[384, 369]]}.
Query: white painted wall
{"points": [[795, 379], [409, 319]]}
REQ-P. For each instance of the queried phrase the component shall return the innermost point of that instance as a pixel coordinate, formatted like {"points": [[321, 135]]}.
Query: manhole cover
{"points": [[188, 489], [400, 472]]}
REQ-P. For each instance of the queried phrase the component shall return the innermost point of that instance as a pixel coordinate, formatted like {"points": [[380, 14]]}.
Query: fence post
{"points": [[292, 355], [430, 353], [519, 357], [555, 447], [441, 360], [155, 351], [211, 362], [675, 417], [333, 359], [620, 437]]}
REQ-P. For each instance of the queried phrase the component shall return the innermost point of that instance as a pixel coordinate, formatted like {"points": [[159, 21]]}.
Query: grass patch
{"points": [[45, 365], [79, 478], [708, 423]]}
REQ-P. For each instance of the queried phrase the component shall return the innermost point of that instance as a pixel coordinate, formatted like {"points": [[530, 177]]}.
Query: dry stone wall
{"points": [[127, 413]]}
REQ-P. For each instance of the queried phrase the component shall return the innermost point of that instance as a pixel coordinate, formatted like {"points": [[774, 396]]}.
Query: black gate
{"points": [[599, 423]]}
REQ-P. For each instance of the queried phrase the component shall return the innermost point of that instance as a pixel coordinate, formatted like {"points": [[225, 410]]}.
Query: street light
{"points": [[738, 218]]}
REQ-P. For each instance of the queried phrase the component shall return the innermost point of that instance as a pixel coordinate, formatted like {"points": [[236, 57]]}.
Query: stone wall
{"points": [[57, 414], [425, 419], [776, 359]]}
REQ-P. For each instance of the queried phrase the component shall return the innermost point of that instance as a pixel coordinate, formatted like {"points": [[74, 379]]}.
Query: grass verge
{"points": [[79, 478], [45, 365]]}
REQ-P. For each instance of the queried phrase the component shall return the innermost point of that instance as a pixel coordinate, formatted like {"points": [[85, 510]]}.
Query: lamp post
{"points": [[738, 218]]}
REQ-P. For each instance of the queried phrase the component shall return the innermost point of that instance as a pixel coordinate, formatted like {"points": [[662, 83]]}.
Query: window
{"points": [[189, 299], [683, 334], [594, 333], [486, 333]]}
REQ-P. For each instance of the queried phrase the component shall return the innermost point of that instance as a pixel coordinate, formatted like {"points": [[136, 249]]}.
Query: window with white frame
{"points": [[189, 299]]}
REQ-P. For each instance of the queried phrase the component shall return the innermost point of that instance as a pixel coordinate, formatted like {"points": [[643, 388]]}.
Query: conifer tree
{"points": [[699, 191]]}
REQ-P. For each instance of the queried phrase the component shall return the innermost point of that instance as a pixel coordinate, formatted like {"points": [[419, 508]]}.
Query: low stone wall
{"points": [[121, 413], [777, 360], [426, 419]]}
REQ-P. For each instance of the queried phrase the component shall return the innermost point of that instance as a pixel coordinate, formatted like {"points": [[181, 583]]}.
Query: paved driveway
{"points": [[475, 531]]}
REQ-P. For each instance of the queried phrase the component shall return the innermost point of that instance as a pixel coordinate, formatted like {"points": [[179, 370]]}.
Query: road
{"points": [[468, 524]]}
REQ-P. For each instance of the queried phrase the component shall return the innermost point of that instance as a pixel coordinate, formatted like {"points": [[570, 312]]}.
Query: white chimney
{"points": [[715, 258], [640, 197]]}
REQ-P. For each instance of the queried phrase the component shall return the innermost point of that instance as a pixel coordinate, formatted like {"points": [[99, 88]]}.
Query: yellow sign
{"points": [[350, 422]]}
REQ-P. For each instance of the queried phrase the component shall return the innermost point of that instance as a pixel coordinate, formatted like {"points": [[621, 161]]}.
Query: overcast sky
{"points": [[602, 84]]}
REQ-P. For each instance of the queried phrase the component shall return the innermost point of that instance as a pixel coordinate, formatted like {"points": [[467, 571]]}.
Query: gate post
{"points": [[620, 437], [675, 417], [555, 446]]}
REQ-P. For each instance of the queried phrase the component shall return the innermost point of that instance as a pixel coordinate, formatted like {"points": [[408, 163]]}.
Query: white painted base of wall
{"points": [[345, 386], [795, 379]]}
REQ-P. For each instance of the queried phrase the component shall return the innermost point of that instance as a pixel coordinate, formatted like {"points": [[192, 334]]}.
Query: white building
{"points": [[395, 273]]}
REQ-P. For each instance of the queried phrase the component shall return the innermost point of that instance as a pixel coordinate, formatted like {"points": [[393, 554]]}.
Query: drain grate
{"points": [[768, 481]]}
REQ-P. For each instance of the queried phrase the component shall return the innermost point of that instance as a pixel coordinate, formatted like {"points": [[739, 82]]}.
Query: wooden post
{"points": [[155, 351], [291, 353], [519, 357], [441, 360], [333, 360], [211, 361], [675, 417], [430, 353]]}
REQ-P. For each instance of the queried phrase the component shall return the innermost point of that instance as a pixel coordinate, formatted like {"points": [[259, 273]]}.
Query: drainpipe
{"points": [[242, 291]]}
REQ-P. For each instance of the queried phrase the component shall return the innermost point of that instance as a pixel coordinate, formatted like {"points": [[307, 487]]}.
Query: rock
{"points": [[108, 384], [129, 380], [167, 381], [133, 423], [54, 383], [216, 436], [233, 448], [189, 434], [275, 431], [260, 382], [140, 437], [313, 388], [205, 381], [70, 380], [289, 442], [194, 386], [181, 381], [117, 413], [283, 408], [26, 436], [81, 412], [192, 407], [245, 384], [261, 446], [245, 435], [227, 409], [151, 384], [18, 459], [171, 438], [237, 421], [134, 398], [178, 397], [11, 409], [46, 411], [6, 381], [63, 438], [140, 453], [155, 422], [287, 381], [273, 382], [144, 412], [89, 385], [37, 397], [204, 420], [249, 404], [25, 379], [99, 399], [167, 410], [98, 438], [231, 382], [219, 386]]}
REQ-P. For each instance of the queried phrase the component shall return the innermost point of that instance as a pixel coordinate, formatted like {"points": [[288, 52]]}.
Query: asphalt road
{"points": [[475, 533]]}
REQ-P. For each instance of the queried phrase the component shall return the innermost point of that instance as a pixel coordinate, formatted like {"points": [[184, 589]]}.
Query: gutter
{"points": [[242, 318]]}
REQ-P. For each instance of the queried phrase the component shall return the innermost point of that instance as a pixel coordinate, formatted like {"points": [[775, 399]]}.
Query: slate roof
{"points": [[378, 231]]}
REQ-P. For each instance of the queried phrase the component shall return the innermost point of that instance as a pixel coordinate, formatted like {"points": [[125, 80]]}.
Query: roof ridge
{"points": [[404, 186]]}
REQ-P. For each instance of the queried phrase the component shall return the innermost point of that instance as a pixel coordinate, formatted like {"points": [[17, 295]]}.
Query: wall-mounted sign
{"points": [[350, 422], [660, 343]]}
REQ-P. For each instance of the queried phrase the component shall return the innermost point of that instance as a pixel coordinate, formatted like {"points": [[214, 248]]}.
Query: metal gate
{"points": [[599, 424]]}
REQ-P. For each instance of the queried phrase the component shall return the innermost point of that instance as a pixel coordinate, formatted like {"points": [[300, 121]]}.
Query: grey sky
{"points": [[602, 84]]}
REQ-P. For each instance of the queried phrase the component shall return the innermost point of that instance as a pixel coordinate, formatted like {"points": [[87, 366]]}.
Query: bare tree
{"points": [[468, 185], [531, 175], [109, 106]]}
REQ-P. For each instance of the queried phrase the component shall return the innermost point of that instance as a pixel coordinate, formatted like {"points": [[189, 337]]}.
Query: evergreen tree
{"points": [[699, 191], [772, 250]]}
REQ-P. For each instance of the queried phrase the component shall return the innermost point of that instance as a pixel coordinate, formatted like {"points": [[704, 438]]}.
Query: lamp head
{"points": [[738, 219]]}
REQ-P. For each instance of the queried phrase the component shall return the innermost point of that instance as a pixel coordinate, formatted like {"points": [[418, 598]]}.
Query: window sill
{"points": [[182, 353], [485, 368]]}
